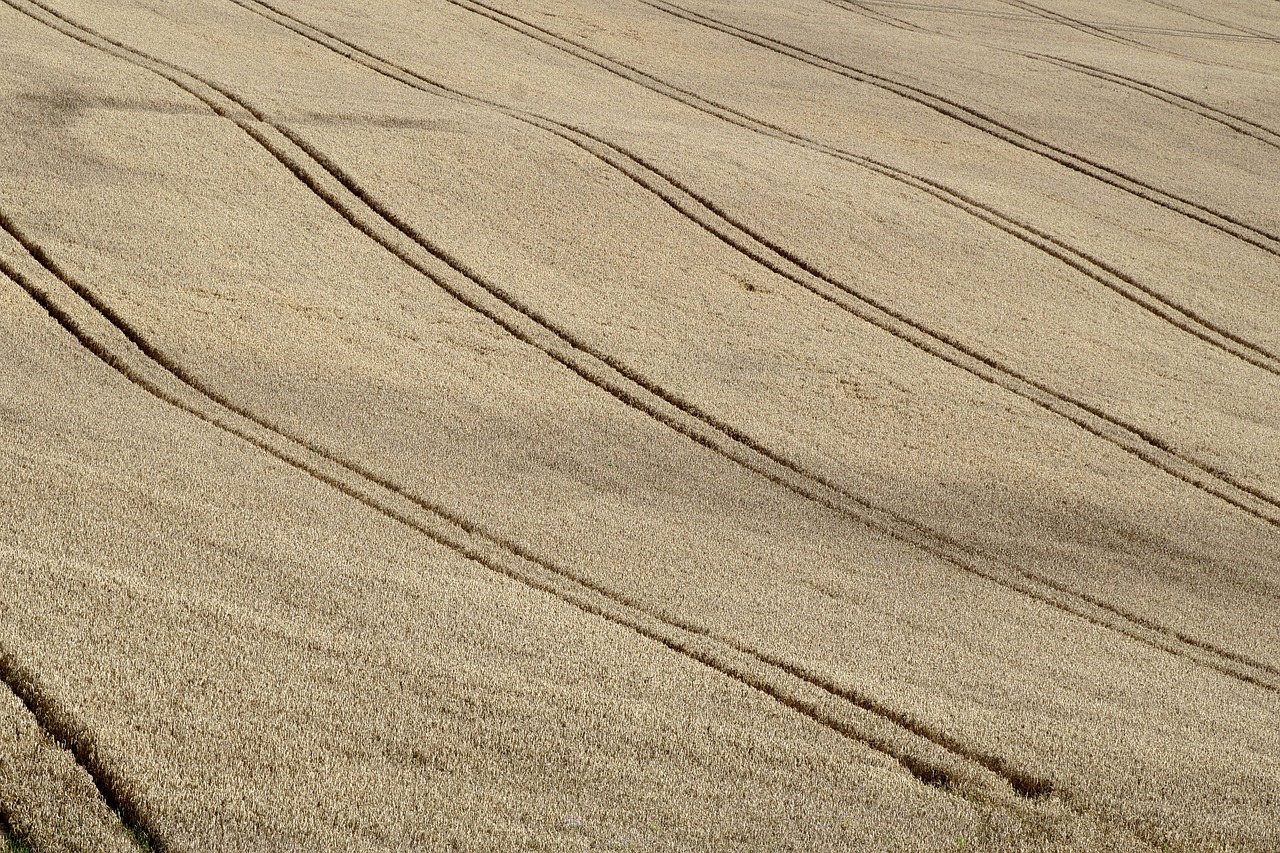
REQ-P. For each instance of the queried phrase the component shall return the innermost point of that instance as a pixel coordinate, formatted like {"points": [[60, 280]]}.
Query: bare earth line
{"points": [[1215, 219], [742, 451], [707, 215]]}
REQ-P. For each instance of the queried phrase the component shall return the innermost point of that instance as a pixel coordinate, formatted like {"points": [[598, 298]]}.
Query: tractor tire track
{"points": [[705, 429], [877, 726], [707, 215], [348, 199], [1180, 316], [876, 15], [57, 723], [1073, 23], [983, 123], [1248, 31], [1099, 32], [1183, 318], [871, 10], [712, 218], [932, 756], [1240, 124], [769, 466]]}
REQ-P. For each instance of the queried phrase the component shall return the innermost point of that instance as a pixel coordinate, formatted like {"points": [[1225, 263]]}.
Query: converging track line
{"points": [[932, 756], [1217, 220], [877, 726], [350, 201], [708, 216], [1099, 271]]}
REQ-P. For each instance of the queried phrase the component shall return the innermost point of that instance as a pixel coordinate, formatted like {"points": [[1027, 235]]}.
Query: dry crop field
{"points": [[814, 425]]}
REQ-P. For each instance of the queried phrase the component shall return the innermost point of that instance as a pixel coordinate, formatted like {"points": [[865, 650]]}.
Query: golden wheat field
{"points": [[645, 425]]}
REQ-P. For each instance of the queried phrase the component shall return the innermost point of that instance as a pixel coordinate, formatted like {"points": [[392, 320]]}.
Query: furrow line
{"points": [[1215, 219], [932, 757], [707, 215]]}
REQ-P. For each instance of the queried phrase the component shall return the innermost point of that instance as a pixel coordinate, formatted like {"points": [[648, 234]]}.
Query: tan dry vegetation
{"points": [[469, 424]]}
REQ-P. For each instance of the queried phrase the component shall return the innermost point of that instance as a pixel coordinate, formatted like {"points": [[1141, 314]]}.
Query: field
{"points": [[708, 425]]}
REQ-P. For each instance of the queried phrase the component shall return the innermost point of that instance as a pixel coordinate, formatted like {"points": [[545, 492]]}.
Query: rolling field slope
{"points": [[653, 425]]}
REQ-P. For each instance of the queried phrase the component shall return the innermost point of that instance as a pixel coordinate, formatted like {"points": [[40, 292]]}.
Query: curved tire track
{"points": [[1073, 23], [878, 16], [559, 582], [1099, 32], [1238, 123], [362, 211], [1180, 316], [930, 755], [59, 724], [708, 216], [1215, 219], [1248, 31]]}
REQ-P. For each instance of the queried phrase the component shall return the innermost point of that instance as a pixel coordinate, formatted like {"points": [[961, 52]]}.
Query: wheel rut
{"points": [[750, 454], [710, 217], [697, 426], [736, 661], [1102, 33], [707, 215], [928, 754], [1182, 318], [1237, 123], [1185, 319], [1241, 125], [1248, 31], [1219, 221], [64, 730]]}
